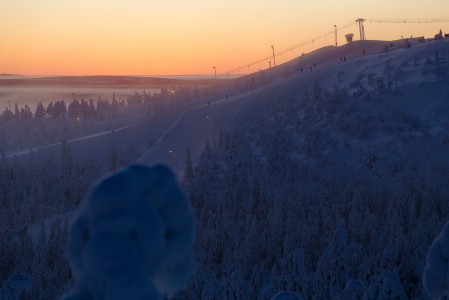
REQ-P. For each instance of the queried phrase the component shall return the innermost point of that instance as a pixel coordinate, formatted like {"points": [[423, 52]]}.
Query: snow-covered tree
{"points": [[333, 266], [188, 169], [436, 272], [323, 275], [15, 287], [386, 287], [16, 111], [40, 111], [339, 260], [133, 237], [353, 290]]}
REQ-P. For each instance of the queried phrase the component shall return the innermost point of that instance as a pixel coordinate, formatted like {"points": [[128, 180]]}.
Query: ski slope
{"points": [[200, 122]]}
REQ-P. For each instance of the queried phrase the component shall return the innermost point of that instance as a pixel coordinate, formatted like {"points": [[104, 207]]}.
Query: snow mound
{"points": [[436, 275], [133, 238]]}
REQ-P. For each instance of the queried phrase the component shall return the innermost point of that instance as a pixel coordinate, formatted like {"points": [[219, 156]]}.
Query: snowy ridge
{"points": [[204, 122]]}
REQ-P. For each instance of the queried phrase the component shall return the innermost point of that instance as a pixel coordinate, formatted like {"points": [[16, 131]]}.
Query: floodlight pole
{"points": [[336, 44], [274, 57]]}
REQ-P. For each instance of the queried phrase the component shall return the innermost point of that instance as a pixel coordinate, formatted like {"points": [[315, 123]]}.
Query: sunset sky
{"points": [[161, 37]]}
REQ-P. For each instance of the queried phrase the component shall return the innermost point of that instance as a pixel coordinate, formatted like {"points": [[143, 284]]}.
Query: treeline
{"points": [[76, 110], [101, 109]]}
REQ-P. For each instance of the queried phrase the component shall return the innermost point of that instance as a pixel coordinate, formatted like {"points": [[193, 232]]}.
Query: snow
{"points": [[203, 122], [436, 272], [87, 137], [192, 126], [14, 287], [388, 286], [354, 289], [286, 296], [133, 237]]}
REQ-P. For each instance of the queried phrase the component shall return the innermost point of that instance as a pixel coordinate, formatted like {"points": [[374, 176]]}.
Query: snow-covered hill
{"points": [[410, 72], [338, 188], [405, 79], [342, 151]]}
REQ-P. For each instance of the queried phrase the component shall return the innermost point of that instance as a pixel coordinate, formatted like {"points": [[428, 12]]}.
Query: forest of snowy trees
{"points": [[59, 120], [45, 193], [330, 195], [30, 194], [87, 109], [268, 221]]}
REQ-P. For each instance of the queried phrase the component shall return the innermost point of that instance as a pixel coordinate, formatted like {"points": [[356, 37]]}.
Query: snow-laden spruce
{"points": [[133, 238], [436, 273], [15, 286], [387, 286]]}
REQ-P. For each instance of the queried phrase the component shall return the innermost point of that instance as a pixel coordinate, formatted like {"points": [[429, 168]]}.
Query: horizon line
{"points": [[127, 75]]}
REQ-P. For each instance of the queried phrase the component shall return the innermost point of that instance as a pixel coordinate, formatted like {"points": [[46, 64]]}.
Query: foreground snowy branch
{"points": [[133, 238]]}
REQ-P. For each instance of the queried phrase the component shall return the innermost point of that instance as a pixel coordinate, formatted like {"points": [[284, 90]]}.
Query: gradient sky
{"points": [[157, 37]]}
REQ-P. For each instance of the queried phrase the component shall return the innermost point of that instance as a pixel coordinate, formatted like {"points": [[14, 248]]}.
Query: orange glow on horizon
{"points": [[138, 37]]}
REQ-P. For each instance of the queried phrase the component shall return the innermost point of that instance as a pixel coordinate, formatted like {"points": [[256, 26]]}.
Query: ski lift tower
{"points": [[361, 28]]}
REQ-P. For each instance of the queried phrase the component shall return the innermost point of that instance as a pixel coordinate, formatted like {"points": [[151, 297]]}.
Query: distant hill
{"points": [[7, 74], [97, 81]]}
